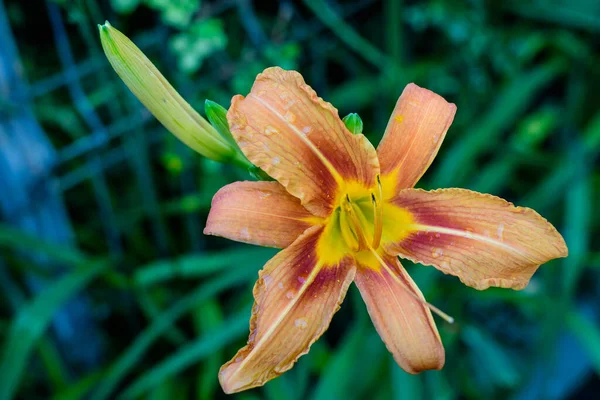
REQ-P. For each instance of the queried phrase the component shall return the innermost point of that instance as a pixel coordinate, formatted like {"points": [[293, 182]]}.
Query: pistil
{"points": [[363, 244]]}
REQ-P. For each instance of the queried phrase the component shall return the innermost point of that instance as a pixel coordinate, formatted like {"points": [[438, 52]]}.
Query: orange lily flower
{"points": [[343, 211]]}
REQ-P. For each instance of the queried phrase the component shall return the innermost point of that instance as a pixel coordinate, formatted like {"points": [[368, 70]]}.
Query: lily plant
{"points": [[342, 211]]}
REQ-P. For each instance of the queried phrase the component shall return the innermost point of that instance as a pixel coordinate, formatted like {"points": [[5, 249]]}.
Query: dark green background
{"points": [[135, 302]]}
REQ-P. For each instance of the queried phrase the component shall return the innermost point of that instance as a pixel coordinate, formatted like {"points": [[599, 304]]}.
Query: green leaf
{"points": [[32, 321], [53, 363], [199, 265], [348, 35], [579, 206], [79, 389], [15, 238], [135, 352], [439, 387], [199, 41], [208, 316], [588, 334], [189, 355], [330, 386], [353, 123], [124, 6], [459, 161], [498, 364], [405, 386]]}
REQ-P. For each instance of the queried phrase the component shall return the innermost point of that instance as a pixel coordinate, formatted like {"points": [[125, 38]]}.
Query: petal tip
{"points": [[435, 362], [228, 384]]}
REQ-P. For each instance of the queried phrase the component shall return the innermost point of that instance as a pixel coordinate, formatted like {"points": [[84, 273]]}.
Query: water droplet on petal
{"points": [[267, 280], [276, 160], [437, 235], [244, 234], [270, 131], [289, 104], [301, 323], [280, 285], [301, 279], [290, 116], [289, 295], [500, 231], [437, 252]]}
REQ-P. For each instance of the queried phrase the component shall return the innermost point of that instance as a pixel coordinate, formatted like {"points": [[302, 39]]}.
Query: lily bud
{"points": [[354, 123], [163, 101]]}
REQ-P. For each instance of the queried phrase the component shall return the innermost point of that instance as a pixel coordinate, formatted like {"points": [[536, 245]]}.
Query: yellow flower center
{"points": [[361, 223]]}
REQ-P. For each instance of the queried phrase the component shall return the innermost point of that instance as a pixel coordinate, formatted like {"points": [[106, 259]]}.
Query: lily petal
{"points": [[261, 213], [404, 323], [283, 127], [295, 299], [484, 240], [413, 137]]}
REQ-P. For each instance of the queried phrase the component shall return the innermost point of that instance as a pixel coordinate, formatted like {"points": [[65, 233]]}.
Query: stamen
{"points": [[347, 234], [377, 222], [433, 308], [362, 241]]}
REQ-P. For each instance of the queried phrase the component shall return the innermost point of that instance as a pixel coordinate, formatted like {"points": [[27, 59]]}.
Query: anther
{"points": [[377, 222]]}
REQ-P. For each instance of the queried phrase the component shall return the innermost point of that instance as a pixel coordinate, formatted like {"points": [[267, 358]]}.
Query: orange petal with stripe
{"points": [[295, 299], [404, 323], [283, 127], [413, 137], [261, 213], [484, 240]]}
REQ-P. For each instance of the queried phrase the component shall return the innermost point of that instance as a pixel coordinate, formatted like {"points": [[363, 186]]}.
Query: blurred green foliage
{"points": [[174, 305]]}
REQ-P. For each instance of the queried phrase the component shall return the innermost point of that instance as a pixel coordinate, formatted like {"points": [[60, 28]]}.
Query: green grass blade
{"points": [[135, 352], [79, 389], [588, 334], [199, 265], [330, 386], [33, 320], [189, 355], [348, 35], [499, 365], [405, 386], [13, 238], [459, 161], [208, 317]]}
